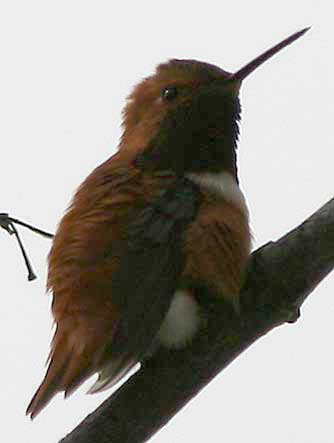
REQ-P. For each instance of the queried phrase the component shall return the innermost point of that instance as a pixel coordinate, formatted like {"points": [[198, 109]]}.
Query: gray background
{"points": [[66, 68]]}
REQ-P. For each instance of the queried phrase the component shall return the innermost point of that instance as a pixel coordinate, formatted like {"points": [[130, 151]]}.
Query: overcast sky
{"points": [[66, 68]]}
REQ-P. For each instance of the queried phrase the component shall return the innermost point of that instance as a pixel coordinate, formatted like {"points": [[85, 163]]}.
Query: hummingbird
{"points": [[151, 227]]}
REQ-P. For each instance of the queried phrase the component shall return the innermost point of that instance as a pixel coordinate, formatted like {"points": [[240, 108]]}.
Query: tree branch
{"points": [[280, 276]]}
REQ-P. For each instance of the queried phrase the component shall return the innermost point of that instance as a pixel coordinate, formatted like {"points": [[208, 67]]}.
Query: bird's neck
{"points": [[222, 185]]}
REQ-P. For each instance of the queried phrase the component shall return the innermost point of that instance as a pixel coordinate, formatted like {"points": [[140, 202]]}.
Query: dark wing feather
{"points": [[148, 275]]}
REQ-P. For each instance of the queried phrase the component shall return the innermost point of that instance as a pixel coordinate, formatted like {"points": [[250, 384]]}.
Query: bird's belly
{"points": [[218, 241], [182, 321], [217, 247]]}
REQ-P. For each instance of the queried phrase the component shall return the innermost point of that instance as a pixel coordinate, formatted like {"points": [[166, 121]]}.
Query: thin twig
{"points": [[8, 224]]}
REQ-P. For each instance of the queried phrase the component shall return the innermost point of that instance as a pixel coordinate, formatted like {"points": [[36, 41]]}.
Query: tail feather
{"points": [[48, 388], [111, 375], [68, 367], [74, 378]]}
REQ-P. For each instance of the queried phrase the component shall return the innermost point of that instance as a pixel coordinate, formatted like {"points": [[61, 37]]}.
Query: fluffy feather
{"points": [[112, 289]]}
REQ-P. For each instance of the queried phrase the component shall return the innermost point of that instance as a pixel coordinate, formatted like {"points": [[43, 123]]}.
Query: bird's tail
{"points": [[69, 365]]}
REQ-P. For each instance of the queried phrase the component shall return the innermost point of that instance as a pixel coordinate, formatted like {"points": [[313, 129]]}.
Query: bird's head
{"points": [[184, 118]]}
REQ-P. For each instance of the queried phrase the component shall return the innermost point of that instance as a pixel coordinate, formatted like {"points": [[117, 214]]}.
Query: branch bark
{"points": [[279, 278]]}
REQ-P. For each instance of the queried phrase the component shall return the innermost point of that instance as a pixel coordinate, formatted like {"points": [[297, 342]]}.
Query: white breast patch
{"points": [[223, 184]]}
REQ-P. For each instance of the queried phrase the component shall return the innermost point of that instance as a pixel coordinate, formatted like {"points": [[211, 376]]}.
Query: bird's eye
{"points": [[169, 93]]}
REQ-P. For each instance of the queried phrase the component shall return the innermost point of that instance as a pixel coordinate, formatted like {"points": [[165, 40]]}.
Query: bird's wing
{"points": [[107, 317], [148, 276]]}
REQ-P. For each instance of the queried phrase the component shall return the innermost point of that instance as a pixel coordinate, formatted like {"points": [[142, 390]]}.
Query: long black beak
{"points": [[251, 66]]}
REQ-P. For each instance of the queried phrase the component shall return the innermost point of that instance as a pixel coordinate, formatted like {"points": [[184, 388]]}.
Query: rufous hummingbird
{"points": [[161, 218]]}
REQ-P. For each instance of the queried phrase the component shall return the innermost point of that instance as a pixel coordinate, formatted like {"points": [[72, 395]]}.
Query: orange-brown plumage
{"points": [[80, 273], [217, 246], [159, 220], [91, 236]]}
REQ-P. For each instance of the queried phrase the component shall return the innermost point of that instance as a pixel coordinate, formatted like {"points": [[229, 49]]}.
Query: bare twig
{"points": [[8, 224]]}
